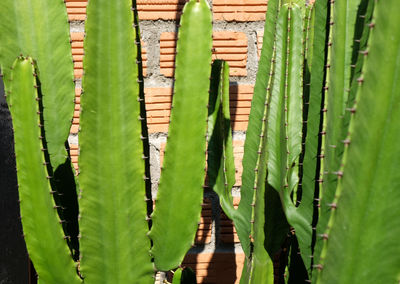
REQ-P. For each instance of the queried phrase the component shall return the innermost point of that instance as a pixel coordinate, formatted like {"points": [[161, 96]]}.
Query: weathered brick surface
{"points": [[260, 35], [148, 9], [76, 10], [227, 45], [160, 9], [203, 235], [75, 120], [77, 54], [158, 105], [224, 10], [239, 10], [74, 151], [227, 231], [216, 268]]}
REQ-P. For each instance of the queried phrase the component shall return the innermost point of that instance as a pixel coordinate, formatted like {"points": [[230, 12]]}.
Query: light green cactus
{"points": [[114, 173]]}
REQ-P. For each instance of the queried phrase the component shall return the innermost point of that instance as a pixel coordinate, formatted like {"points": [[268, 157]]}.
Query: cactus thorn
{"points": [[352, 110], [324, 236], [346, 141], [339, 174], [332, 205], [318, 266]]}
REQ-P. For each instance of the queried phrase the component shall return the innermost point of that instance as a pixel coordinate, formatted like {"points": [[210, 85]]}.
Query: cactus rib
{"points": [[254, 128], [364, 226], [112, 175]]}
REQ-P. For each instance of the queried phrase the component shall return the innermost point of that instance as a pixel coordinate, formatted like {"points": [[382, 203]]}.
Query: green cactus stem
{"points": [[42, 229], [40, 28], [254, 129], [363, 231], [184, 276], [112, 176], [221, 166], [183, 172], [343, 65]]}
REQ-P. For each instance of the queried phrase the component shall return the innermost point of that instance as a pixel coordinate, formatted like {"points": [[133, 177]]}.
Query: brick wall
{"points": [[237, 38]]}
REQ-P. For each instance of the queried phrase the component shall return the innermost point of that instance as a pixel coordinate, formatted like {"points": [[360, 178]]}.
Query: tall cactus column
{"points": [[180, 195], [112, 174]]}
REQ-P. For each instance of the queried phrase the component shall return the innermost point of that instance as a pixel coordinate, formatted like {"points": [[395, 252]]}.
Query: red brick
{"points": [[75, 121], [239, 10], [228, 232], [76, 10], [227, 45], [147, 9], [216, 268], [158, 106], [260, 35], [160, 9], [77, 54]]}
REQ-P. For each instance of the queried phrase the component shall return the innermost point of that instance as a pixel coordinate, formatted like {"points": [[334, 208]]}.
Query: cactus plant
{"points": [[309, 85], [320, 162], [113, 242]]}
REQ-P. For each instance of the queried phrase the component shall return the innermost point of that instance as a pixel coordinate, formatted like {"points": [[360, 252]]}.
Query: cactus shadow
{"points": [[15, 266]]}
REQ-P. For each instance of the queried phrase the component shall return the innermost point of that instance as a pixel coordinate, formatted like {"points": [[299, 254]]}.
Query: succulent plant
{"points": [[316, 151], [114, 178]]}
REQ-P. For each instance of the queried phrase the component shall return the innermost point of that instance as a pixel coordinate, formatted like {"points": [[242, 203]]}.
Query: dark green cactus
{"points": [[300, 128]]}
